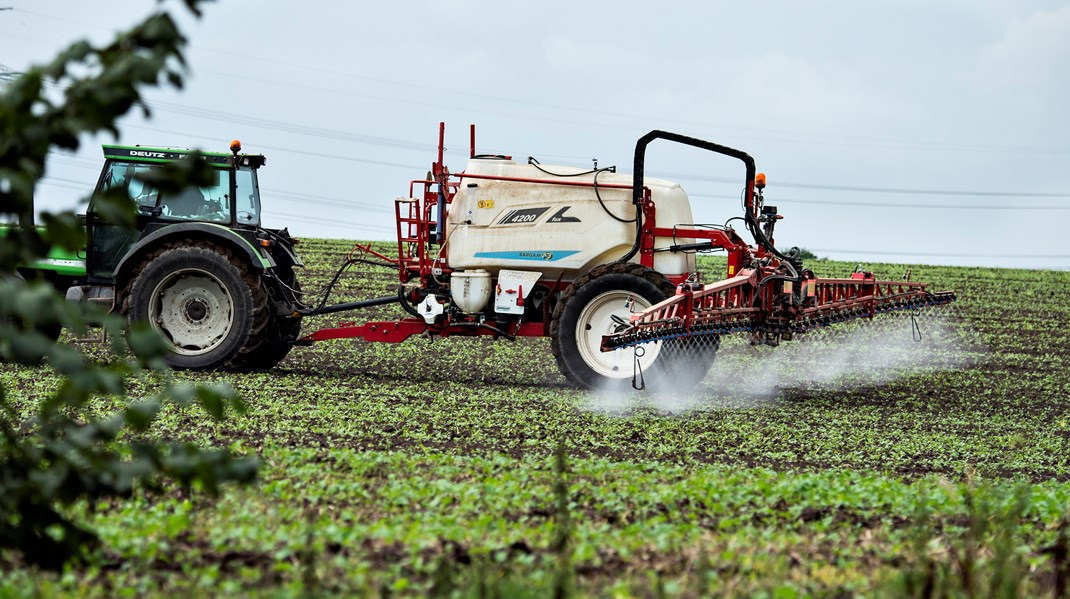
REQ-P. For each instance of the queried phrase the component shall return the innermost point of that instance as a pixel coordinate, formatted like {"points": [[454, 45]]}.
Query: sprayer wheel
{"points": [[594, 306]]}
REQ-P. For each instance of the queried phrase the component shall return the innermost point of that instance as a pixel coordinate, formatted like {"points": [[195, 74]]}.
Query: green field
{"points": [[854, 461]]}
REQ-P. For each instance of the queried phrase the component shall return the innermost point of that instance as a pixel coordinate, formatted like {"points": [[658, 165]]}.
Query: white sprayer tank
{"points": [[495, 224]]}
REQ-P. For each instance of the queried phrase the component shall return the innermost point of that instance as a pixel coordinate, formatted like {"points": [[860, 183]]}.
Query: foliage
{"points": [[61, 451]]}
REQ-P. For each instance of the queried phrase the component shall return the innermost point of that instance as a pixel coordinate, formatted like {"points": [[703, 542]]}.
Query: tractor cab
{"points": [[232, 200]]}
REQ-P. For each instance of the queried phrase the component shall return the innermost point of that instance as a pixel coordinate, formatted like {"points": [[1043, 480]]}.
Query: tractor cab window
{"points": [[122, 176], [247, 200], [211, 203]]}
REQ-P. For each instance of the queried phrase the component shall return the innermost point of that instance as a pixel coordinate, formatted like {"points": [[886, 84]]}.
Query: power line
{"points": [[947, 255], [81, 184], [302, 198], [59, 183], [336, 134], [344, 158], [288, 149], [892, 190], [264, 123], [807, 137], [893, 205], [408, 145], [439, 90], [229, 117], [686, 176], [259, 146], [332, 222]]}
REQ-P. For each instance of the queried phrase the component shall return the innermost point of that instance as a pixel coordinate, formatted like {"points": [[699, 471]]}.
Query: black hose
{"points": [[345, 265], [596, 171], [640, 166], [376, 301], [405, 303], [761, 284], [637, 187], [606, 208], [533, 162], [330, 286]]}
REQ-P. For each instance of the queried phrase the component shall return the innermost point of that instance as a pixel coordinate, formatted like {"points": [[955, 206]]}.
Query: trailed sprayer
{"points": [[602, 263]]}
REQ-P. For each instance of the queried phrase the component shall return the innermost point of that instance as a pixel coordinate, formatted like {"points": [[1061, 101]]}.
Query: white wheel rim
{"points": [[193, 310], [596, 320]]}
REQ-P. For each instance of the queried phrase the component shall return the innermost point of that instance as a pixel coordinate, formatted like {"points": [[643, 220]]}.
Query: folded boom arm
{"points": [[770, 312]]}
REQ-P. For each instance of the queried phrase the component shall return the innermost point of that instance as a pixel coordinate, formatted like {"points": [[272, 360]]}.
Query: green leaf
{"points": [[64, 230], [214, 399], [145, 342], [179, 175], [139, 415], [115, 207]]}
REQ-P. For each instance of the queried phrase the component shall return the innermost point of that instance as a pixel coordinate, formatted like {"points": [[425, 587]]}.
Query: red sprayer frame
{"points": [[421, 223], [740, 304], [766, 293]]}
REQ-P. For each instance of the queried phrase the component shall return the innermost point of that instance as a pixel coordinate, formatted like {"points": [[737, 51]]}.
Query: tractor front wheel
{"points": [[600, 303], [199, 301]]}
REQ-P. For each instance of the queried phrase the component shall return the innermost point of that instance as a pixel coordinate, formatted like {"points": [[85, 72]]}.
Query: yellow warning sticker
{"points": [[731, 270], [485, 204]]}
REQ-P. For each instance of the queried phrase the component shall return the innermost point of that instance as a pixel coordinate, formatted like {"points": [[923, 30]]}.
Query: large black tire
{"points": [[208, 304], [278, 335], [275, 347], [585, 313]]}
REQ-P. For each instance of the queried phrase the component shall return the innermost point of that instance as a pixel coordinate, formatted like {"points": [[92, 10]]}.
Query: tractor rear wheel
{"points": [[278, 336], [597, 304], [204, 302], [275, 347]]}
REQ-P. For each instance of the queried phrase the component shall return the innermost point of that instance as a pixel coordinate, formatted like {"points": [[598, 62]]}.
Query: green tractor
{"points": [[198, 267]]}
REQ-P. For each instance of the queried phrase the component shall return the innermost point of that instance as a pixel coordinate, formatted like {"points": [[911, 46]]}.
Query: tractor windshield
{"points": [[211, 203]]}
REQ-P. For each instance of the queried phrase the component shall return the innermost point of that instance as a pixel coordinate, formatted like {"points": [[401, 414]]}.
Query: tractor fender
{"points": [[285, 255], [191, 232]]}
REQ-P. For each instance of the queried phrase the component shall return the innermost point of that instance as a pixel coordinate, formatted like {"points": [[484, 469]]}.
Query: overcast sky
{"points": [[927, 131]]}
